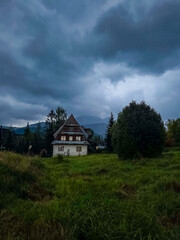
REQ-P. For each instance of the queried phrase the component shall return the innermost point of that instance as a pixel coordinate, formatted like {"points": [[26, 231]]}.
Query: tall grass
{"points": [[90, 197]]}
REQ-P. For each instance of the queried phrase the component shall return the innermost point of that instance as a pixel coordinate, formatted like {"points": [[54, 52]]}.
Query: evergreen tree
{"points": [[60, 117], [1, 137], [28, 138], [54, 121], [94, 140], [20, 145], [10, 140], [38, 140], [50, 129], [108, 138]]}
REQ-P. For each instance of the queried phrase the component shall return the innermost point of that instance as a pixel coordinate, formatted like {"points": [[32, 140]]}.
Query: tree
{"points": [[20, 144], [173, 132], [50, 129], [138, 132], [94, 140], [28, 138], [1, 137], [38, 140], [108, 138], [54, 121], [60, 117], [10, 139]]}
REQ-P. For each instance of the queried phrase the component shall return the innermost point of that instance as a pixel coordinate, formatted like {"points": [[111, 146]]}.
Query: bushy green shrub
{"points": [[138, 132]]}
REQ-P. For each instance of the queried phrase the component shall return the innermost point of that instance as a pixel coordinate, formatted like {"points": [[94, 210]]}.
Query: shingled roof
{"points": [[71, 127], [71, 121]]}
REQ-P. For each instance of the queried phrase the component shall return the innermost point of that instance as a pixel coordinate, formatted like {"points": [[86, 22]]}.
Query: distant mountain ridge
{"points": [[98, 128], [98, 125], [32, 127]]}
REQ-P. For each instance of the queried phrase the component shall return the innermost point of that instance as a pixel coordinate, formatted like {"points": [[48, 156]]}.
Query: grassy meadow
{"points": [[94, 197]]}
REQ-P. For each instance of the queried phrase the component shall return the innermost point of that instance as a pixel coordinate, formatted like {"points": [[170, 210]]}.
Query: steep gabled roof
{"points": [[71, 126], [71, 121]]}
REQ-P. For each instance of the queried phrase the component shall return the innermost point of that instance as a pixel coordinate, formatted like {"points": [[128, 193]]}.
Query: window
{"points": [[78, 138], [63, 138], [70, 138], [78, 149], [60, 148]]}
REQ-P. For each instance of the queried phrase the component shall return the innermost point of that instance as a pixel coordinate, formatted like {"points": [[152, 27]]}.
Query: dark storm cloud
{"points": [[78, 53], [151, 44], [35, 65], [12, 111], [16, 76]]}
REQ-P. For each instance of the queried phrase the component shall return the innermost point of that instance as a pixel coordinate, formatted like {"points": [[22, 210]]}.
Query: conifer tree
{"points": [[54, 121], [27, 138], [50, 126], [60, 117], [108, 138], [1, 137], [9, 142], [38, 140]]}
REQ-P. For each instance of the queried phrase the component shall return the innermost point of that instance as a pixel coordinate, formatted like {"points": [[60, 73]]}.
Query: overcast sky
{"points": [[91, 57]]}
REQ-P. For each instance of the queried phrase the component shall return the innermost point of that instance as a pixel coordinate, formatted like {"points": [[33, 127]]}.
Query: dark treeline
{"points": [[29, 142], [39, 141], [138, 129]]}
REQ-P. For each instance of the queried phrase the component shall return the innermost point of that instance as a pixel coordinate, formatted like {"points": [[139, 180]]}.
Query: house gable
{"points": [[71, 133], [70, 139]]}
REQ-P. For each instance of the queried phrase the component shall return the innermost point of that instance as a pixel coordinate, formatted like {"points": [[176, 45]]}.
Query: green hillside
{"points": [[95, 197]]}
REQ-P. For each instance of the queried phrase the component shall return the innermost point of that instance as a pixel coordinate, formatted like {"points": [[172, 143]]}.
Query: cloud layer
{"points": [[91, 57]]}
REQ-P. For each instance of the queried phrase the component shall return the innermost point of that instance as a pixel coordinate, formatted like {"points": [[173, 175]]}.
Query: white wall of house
{"points": [[72, 149]]}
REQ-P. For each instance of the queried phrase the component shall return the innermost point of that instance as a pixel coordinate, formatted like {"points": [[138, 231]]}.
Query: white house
{"points": [[70, 139]]}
